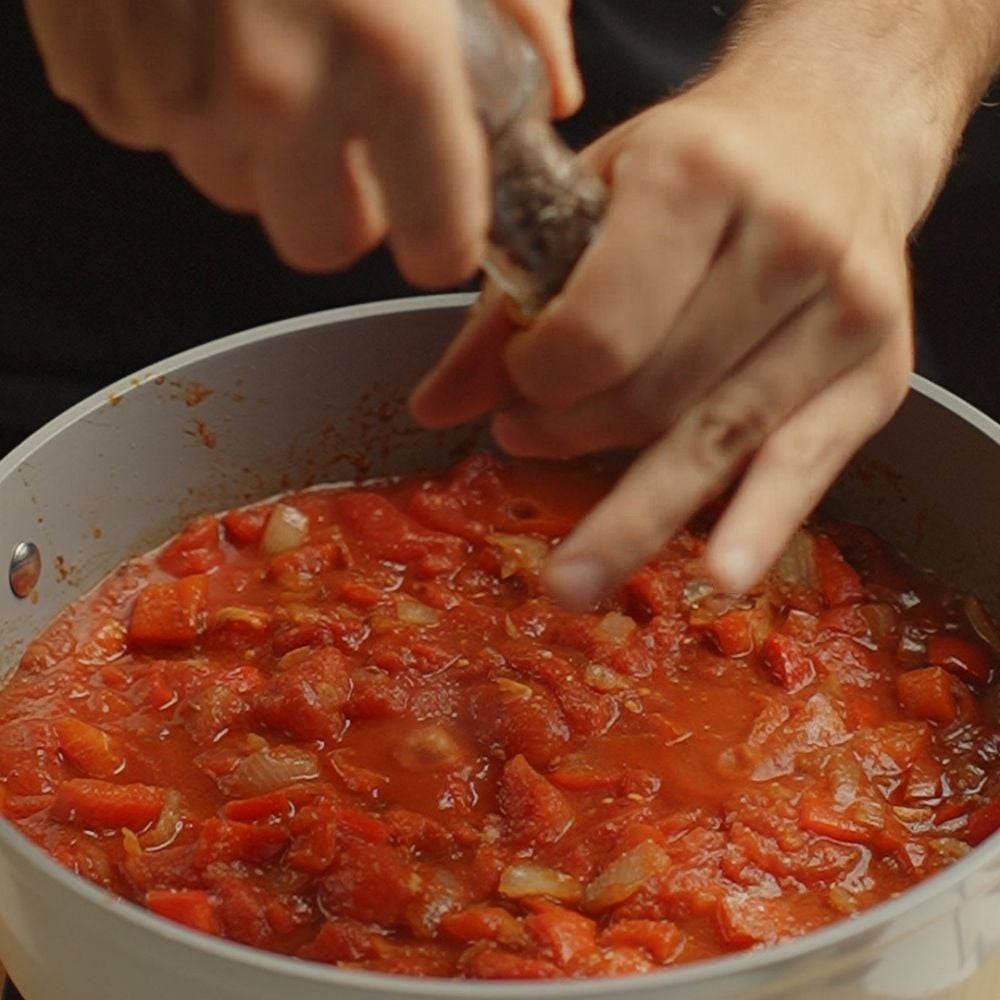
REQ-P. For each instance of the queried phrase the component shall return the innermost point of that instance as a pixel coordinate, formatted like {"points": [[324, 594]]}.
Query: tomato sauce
{"points": [[348, 725]]}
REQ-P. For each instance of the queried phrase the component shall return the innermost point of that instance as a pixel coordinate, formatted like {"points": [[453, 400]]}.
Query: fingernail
{"points": [[735, 568], [576, 583]]}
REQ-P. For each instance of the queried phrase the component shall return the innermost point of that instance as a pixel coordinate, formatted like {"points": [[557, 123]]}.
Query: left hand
{"points": [[742, 314]]}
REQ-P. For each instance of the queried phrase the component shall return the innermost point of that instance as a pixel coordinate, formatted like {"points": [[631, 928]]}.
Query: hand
{"points": [[742, 315], [339, 123]]}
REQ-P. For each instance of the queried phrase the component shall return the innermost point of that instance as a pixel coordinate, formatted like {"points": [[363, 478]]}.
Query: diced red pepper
{"points": [[257, 808], [194, 550], [926, 693], [789, 662], [585, 777], [562, 934], [983, 823], [745, 920], [247, 526], [360, 594], [170, 614], [732, 633], [964, 659], [824, 819], [102, 805], [838, 581], [497, 963], [88, 748], [484, 923], [660, 939], [191, 907], [230, 840]]}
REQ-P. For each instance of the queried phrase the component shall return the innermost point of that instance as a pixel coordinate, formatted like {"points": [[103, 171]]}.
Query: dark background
{"points": [[110, 261]]}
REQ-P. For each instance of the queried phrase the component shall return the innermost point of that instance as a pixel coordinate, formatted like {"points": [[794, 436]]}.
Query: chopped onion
{"points": [[981, 622], [164, 833], [514, 688], [286, 529], [412, 612], [625, 876], [880, 619], [249, 619], [950, 847], [603, 678], [519, 552], [268, 769], [614, 625], [528, 879], [429, 748], [797, 564], [843, 900]]}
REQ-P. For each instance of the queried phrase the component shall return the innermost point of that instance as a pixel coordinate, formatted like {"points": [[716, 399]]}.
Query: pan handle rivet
{"points": [[25, 568]]}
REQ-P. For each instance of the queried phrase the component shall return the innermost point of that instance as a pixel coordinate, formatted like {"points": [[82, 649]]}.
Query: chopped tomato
{"points": [[926, 693], [102, 805], [965, 659], [380, 744], [839, 582], [191, 907], [169, 614], [195, 550], [788, 661]]}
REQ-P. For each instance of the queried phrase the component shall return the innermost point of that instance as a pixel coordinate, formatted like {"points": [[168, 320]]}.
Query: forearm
{"points": [[910, 70]]}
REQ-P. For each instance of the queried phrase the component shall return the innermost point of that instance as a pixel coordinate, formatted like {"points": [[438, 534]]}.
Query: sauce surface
{"points": [[349, 726]]}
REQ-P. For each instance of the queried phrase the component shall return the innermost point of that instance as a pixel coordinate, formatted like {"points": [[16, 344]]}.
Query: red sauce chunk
{"points": [[349, 725]]}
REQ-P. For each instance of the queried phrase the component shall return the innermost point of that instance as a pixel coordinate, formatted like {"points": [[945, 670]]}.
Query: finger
{"points": [[318, 200], [220, 168], [769, 269], [591, 336], [548, 25], [706, 450], [470, 378], [794, 468], [427, 148]]}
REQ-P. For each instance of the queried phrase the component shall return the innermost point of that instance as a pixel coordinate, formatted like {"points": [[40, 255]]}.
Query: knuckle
{"points": [[799, 449], [869, 302], [269, 88], [430, 262], [803, 248], [727, 428], [314, 253], [893, 384]]}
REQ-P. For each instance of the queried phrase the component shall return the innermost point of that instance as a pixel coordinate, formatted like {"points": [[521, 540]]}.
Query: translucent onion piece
{"points": [[412, 612], [880, 619], [268, 769], [797, 564], [982, 623], [528, 879], [603, 678], [286, 529], [625, 876], [170, 823], [519, 552], [514, 688], [246, 619], [429, 748], [616, 626]]}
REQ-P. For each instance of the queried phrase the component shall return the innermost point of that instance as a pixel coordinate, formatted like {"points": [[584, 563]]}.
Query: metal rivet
{"points": [[25, 568]]}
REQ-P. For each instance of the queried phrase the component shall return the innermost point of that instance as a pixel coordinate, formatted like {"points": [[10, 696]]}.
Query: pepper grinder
{"points": [[547, 204]]}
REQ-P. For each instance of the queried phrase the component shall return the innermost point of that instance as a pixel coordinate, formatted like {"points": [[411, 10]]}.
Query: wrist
{"points": [[897, 85]]}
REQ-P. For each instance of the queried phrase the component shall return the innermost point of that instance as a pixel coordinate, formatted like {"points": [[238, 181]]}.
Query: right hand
{"points": [[339, 123]]}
